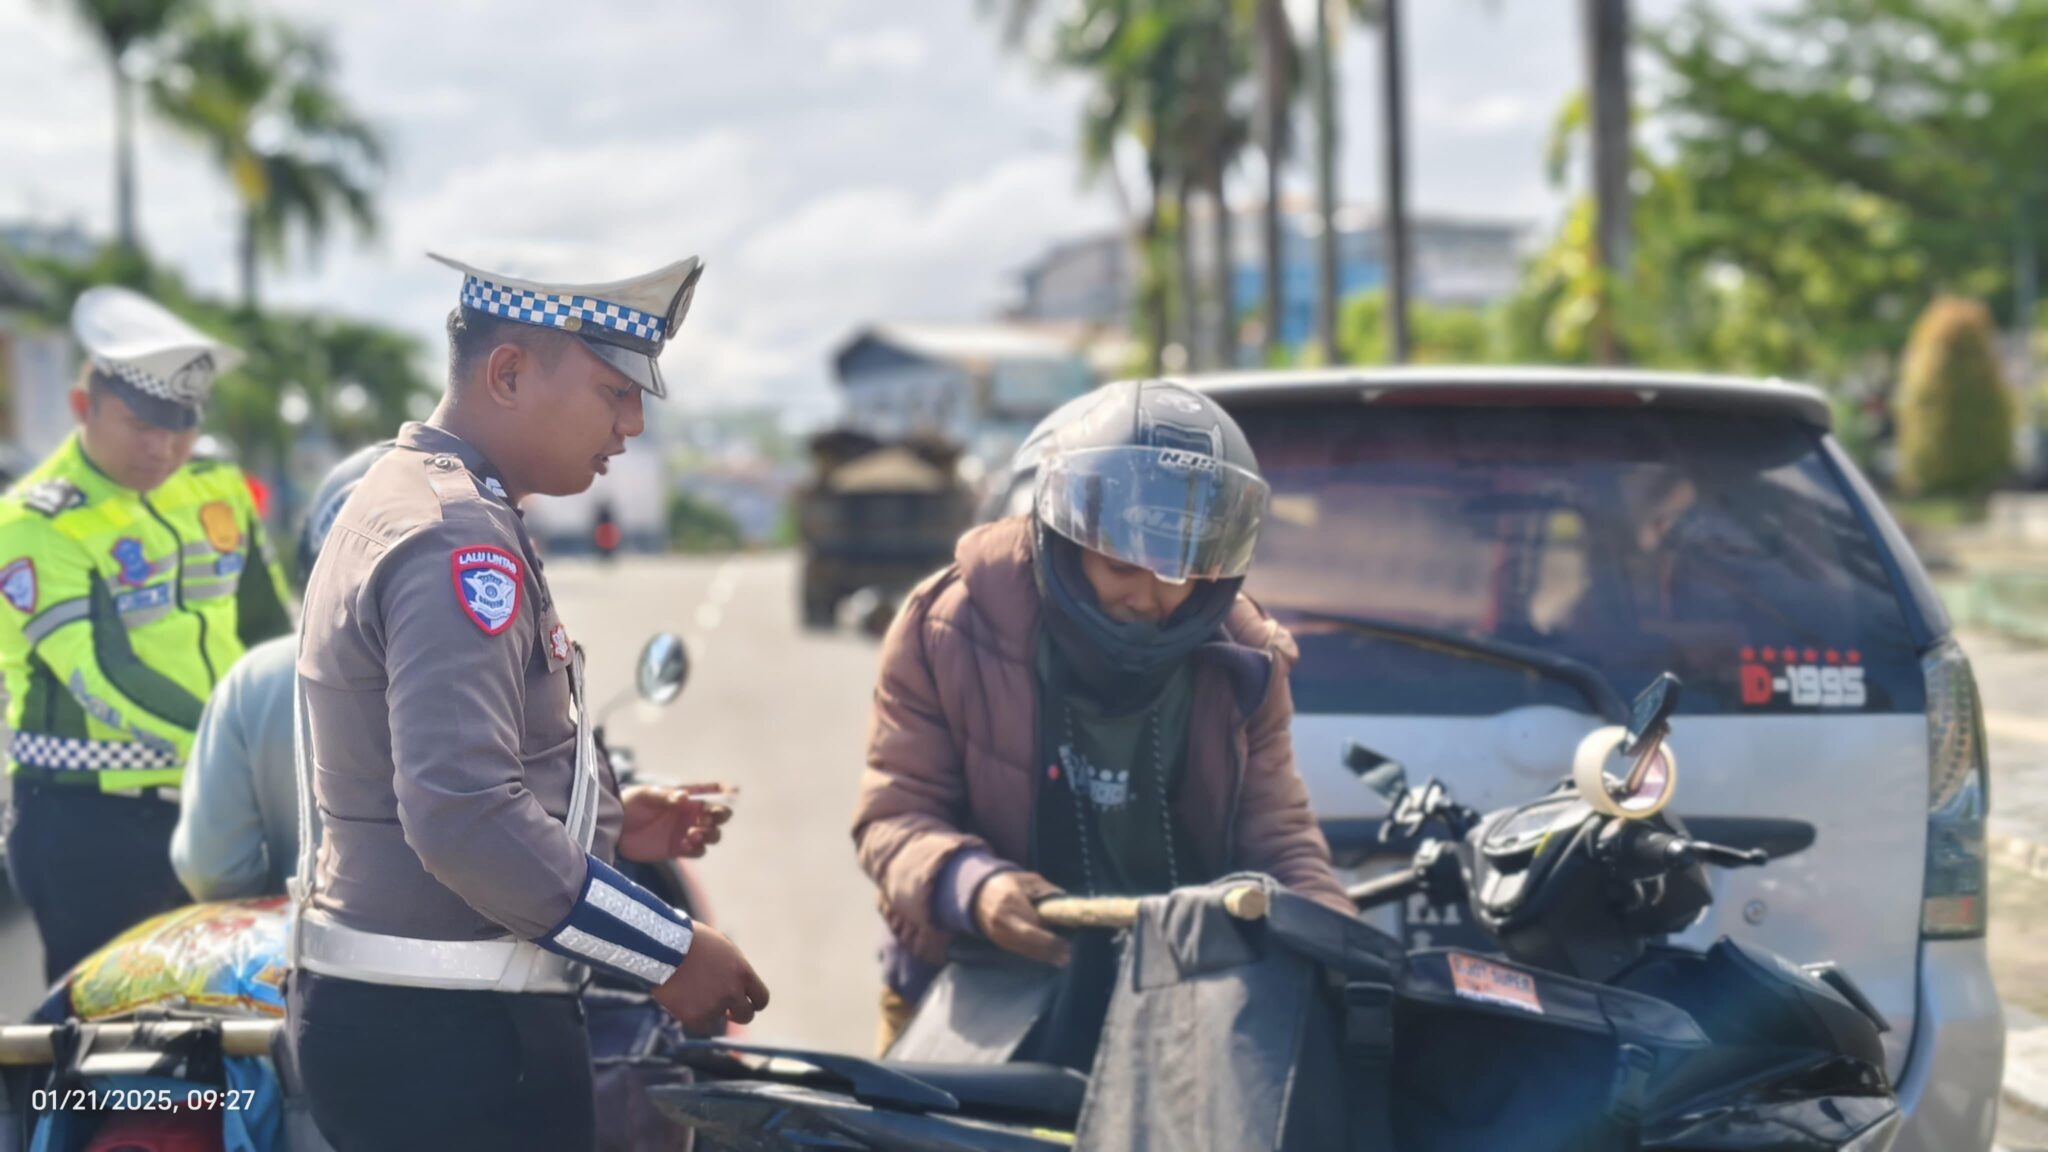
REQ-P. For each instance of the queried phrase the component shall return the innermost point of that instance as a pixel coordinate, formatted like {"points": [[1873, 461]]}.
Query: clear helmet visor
{"points": [[1179, 515]]}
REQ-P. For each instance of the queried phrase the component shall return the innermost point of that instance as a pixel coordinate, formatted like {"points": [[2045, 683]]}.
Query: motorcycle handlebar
{"points": [[1664, 850], [1244, 901], [1385, 890]]}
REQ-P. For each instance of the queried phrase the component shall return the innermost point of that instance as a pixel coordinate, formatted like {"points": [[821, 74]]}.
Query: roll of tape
{"points": [[1599, 774]]}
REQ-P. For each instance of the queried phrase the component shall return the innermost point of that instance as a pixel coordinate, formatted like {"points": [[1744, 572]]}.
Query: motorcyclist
{"points": [[1084, 700]]}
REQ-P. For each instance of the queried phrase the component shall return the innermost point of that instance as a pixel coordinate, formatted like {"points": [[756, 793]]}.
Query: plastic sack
{"points": [[225, 958]]}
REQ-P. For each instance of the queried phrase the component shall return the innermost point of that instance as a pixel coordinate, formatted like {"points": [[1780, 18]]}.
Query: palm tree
{"points": [[120, 26], [262, 97], [1279, 67], [1167, 74], [1210, 127]]}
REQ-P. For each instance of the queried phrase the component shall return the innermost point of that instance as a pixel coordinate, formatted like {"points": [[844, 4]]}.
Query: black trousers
{"points": [[90, 865], [389, 1069]]}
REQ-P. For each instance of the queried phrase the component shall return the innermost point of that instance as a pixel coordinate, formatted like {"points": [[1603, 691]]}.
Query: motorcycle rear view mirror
{"points": [[1649, 716], [664, 667], [1385, 776]]}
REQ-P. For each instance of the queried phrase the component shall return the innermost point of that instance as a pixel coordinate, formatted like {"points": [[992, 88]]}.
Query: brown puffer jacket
{"points": [[952, 744]]}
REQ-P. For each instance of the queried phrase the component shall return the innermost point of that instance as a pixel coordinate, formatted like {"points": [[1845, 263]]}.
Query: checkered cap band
{"points": [[66, 754], [551, 311], [189, 389]]}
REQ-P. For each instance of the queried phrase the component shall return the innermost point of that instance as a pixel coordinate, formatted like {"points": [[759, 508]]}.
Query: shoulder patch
{"points": [[18, 585], [51, 497], [487, 582], [223, 530]]}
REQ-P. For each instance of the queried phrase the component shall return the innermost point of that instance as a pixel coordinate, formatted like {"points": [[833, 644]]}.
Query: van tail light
{"points": [[1958, 797]]}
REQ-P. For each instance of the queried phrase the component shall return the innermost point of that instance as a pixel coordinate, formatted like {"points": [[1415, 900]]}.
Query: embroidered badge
{"points": [[18, 585], [558, 642], [487, 584], [230, 564], [135, 567], [223, 531]]}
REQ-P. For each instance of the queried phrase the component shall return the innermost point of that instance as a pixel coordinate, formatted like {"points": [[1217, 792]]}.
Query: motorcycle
{"points": [[1581, 1029]]}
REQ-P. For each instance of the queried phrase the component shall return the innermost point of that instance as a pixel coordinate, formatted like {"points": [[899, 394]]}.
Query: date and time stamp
{"points": [[198, 1098]]}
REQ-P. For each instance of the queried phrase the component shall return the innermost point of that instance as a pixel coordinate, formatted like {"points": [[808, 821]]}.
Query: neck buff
{"points": [[1123, 666]]}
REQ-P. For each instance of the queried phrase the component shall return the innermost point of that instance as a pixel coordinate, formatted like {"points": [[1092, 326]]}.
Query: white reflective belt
{"points": [[506, 965]]}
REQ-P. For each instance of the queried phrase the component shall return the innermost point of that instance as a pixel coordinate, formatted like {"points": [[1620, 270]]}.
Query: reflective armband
{"points": [[622, 928]]}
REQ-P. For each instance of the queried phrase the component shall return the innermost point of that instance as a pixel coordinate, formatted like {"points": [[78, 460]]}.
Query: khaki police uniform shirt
{"points": [[443, 729]]}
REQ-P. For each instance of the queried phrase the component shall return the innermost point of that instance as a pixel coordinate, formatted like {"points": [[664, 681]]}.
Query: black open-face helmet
{"points": [[1153, 474]]}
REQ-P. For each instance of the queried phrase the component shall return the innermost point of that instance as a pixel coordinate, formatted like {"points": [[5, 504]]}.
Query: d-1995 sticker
{"points": [[1825, 678]]}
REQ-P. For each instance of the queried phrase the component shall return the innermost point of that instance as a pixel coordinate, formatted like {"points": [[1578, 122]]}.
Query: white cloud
{"points": [[892, 50], [1003, 215], [831, 171], [605, 209], [1496, 114]]}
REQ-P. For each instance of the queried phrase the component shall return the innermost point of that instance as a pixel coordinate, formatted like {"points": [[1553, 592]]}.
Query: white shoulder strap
{"points": [[583, 797], [303, 882]]}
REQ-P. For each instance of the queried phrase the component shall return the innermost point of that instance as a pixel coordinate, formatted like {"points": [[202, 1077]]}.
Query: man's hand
{"points": [[1006, 911], [714, 983], [668, 823]]}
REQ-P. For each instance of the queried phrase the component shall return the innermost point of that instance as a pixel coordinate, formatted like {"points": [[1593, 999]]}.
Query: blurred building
{"points": [[36, 369], [981, 386], [66, 242], [1455, 262]]}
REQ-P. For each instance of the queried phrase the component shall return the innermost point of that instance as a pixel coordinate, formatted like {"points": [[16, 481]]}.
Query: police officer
{"points": [[464, 884], [133, 578]]}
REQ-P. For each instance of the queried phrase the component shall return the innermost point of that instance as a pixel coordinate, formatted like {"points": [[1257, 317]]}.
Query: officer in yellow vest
{"points": [[132, 578]]}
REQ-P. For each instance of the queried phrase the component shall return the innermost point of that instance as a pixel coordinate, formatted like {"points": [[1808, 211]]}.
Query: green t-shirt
{"points": [[1118, 834]]}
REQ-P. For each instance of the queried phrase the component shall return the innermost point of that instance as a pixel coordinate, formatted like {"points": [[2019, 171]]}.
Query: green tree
{"points": [[1851, 158], [1440, 334], [261, 96], [122, 27], [1953, 410], [697, 525]]}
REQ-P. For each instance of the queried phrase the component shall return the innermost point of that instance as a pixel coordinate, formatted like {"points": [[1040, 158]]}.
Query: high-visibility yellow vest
{"points": [[119, 612]]}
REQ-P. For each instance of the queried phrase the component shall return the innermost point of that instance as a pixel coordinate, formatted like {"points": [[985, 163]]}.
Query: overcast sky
{"points": [[836, 162]]}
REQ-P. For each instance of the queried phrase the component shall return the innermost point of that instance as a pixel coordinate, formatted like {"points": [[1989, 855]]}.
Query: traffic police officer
{"points": [[464, 884], [133, 577]]}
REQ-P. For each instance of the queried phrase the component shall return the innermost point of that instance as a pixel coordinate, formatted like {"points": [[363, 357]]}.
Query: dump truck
{"points": [[875, 517]]}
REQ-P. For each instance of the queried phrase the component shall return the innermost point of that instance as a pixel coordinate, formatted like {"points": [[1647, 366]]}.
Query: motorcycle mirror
{"points": [[1382, 774], [664, 666], [1648, 716]]}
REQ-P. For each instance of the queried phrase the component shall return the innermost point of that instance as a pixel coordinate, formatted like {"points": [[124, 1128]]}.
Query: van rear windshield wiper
{"points": [[1586, 679]]}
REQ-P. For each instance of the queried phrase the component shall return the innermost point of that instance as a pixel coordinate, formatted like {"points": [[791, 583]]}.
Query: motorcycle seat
{"points": [[1018, 1091]]}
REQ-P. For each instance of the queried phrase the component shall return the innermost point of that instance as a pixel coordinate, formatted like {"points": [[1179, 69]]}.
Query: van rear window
{"points": [[1721, 547]]}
